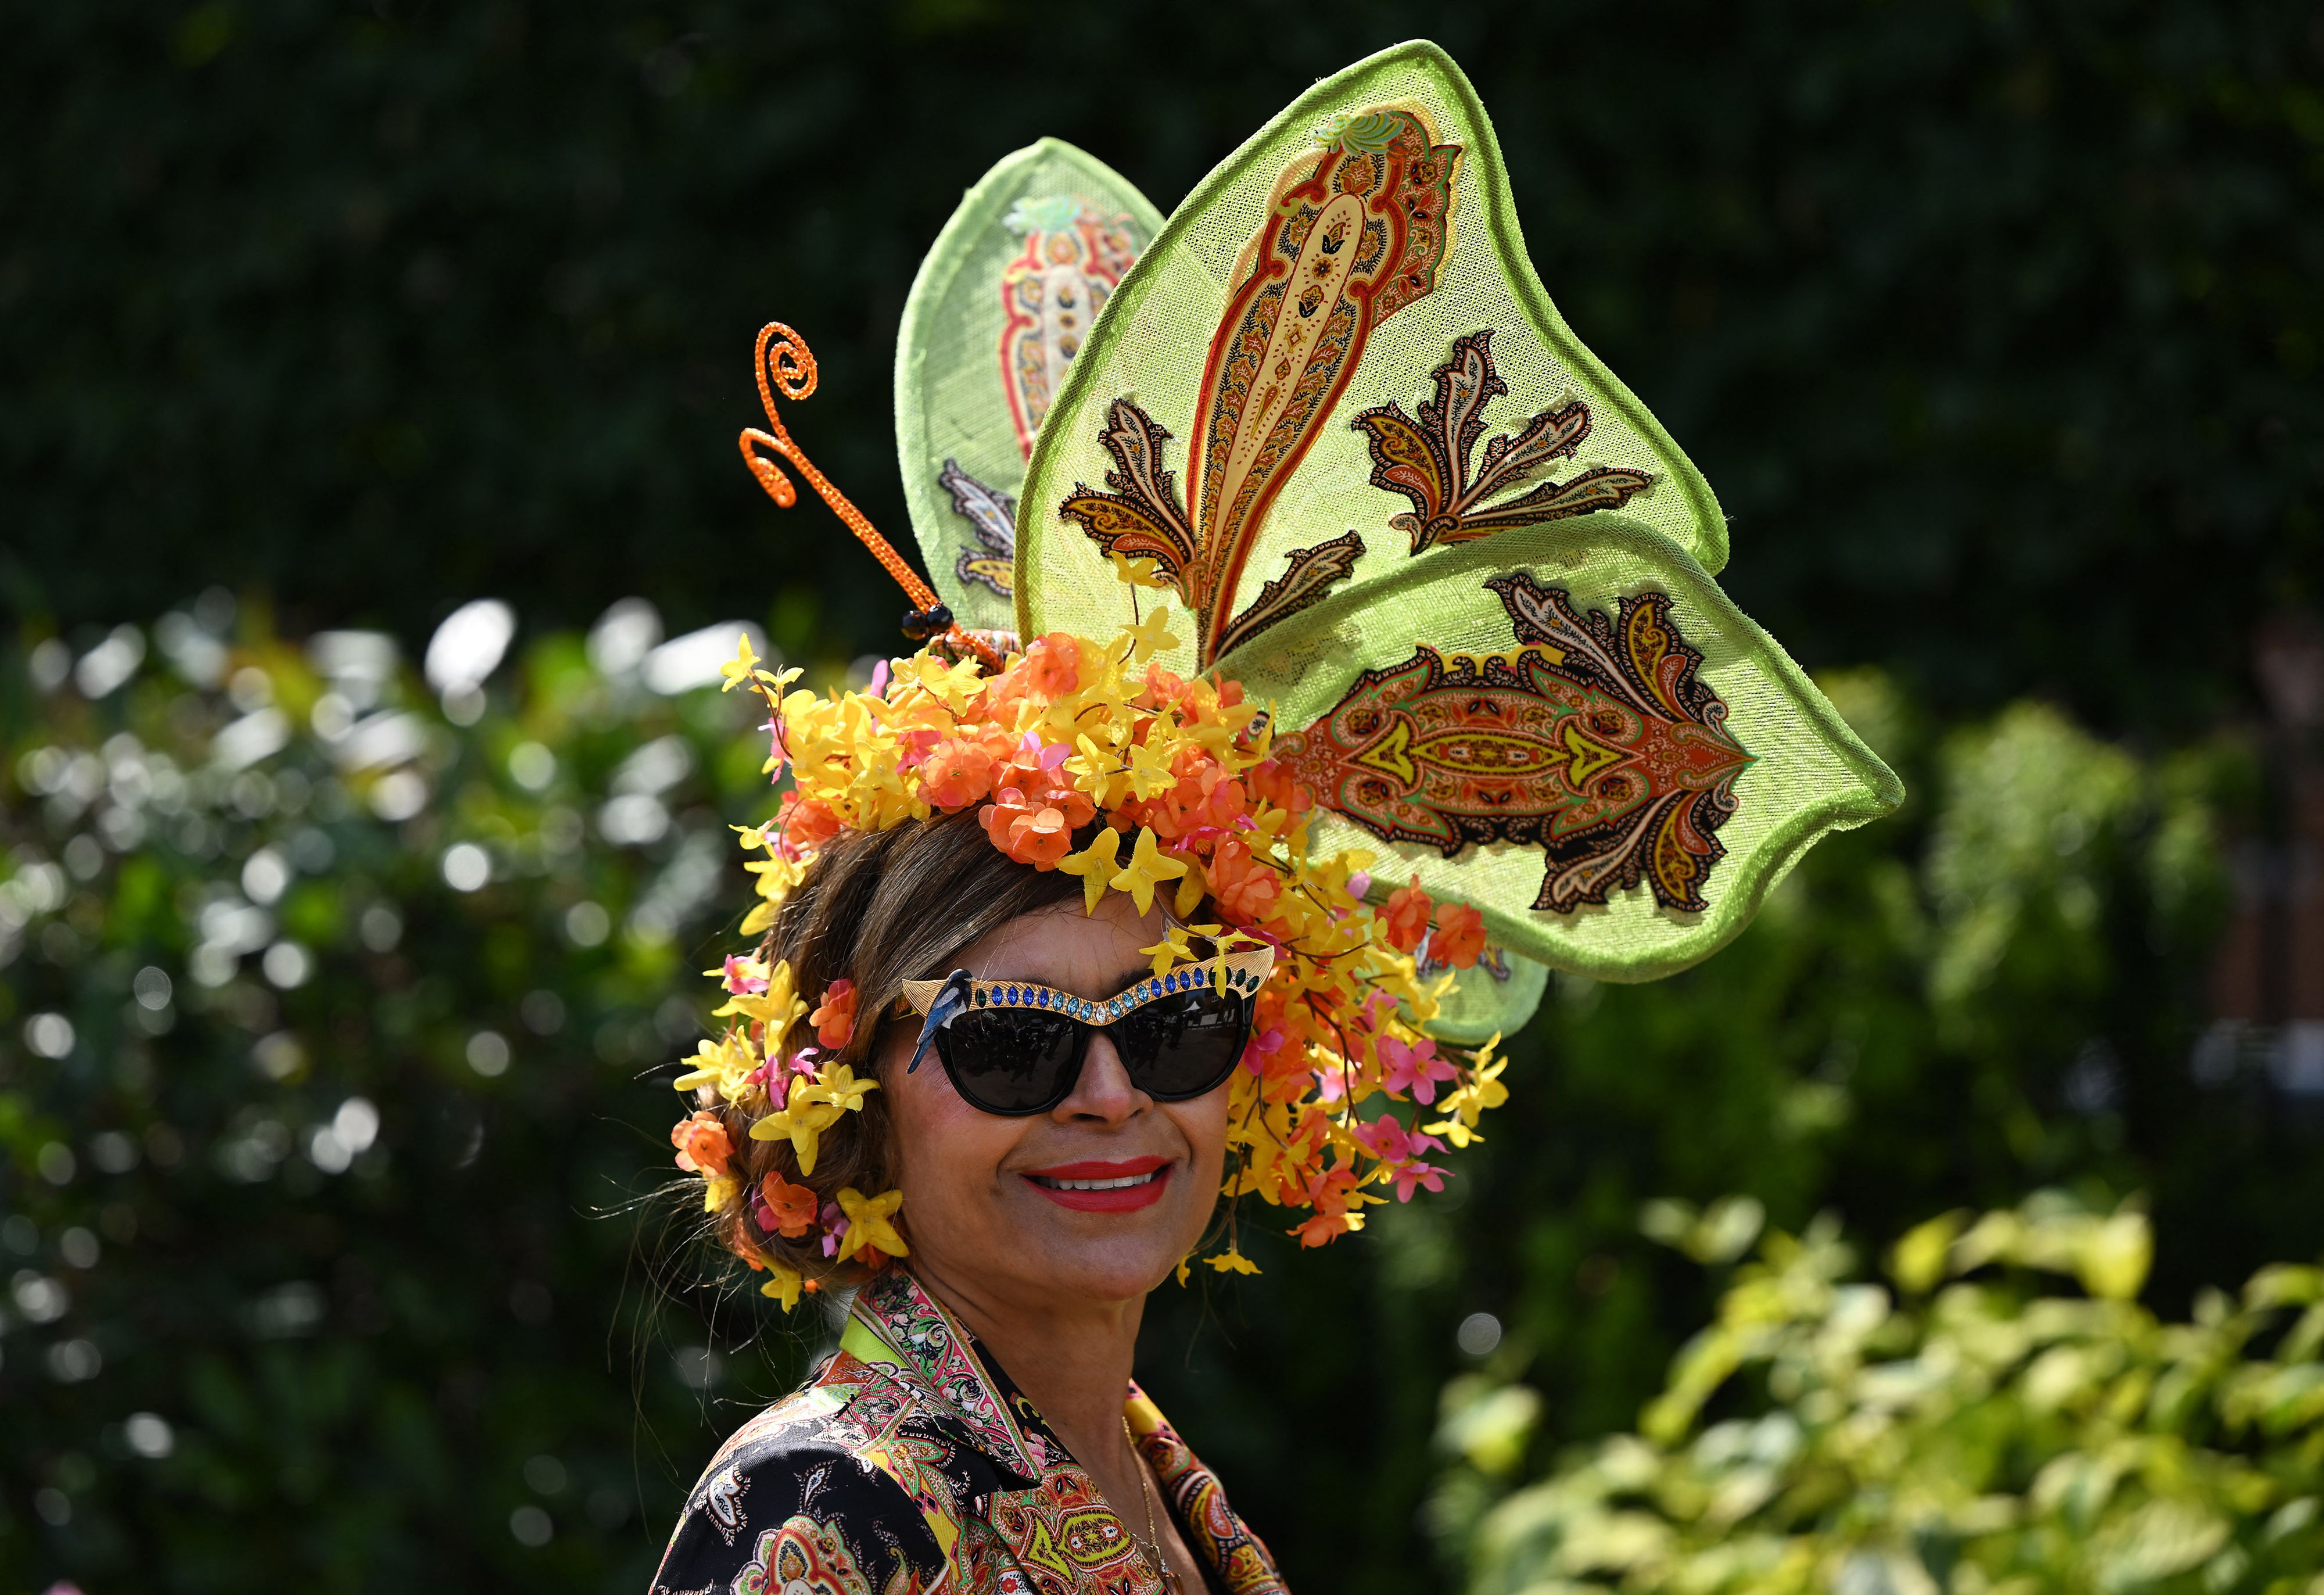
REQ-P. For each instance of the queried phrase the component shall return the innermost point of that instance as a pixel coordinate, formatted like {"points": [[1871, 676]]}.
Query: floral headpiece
{"points": [[1406, 675]]}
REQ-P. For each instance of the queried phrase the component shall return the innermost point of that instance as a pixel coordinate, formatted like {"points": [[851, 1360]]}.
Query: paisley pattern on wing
{"points": [[993, 515], [1592, 739], [1073, 256], [1352, 236], [1427, 460]]}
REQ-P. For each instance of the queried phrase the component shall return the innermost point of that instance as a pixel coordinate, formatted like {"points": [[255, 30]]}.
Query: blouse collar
{"points": [[896, 1322]]}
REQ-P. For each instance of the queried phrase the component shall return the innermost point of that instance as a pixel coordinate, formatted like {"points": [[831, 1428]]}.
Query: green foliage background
{"points": [[1995, 326]]}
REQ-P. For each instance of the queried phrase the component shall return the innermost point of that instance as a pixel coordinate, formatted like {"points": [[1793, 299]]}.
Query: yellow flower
{"points": [[804, 1118], [868, 1223], [1173, 948], [717, 1191], [726, 1064], [1232, 1261], [777, 1007], [1140, 573], [1093, 770], [1146, 867], [1094, 864], [782, 1284], [1149, 764], [1151, 635], [741, 667], [843, 1090], [1191, 888], [1487, 1091], [1455, 1130]]}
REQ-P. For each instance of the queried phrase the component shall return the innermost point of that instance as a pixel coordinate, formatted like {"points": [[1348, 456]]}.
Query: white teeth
{"points": [[1120, 1184]]}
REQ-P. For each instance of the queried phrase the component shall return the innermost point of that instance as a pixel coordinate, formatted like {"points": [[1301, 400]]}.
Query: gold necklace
{"points": [[1150, 1545]]}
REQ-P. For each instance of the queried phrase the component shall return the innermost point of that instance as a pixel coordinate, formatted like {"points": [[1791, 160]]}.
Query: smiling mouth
{"points": [[1103, 1187], [1128, 1182]]}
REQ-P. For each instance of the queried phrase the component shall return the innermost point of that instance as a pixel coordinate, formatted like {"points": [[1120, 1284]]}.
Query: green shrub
{"points": [[323, 1138], [1975, 1429]]}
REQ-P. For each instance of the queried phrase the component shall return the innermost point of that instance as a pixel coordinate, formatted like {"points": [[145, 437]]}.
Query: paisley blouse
{"points": [[910, 1464]]}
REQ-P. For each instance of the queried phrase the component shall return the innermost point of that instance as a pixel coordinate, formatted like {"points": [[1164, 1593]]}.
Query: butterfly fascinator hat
{"points": [[1292, 565]]}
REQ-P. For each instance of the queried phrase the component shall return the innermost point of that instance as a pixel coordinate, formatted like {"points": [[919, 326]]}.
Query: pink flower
{"points": [[739, 980], [1372, 1017], [917, 744], [1417, 1174], [1413, 1071], [1260, 1055], [1382, 1137]]}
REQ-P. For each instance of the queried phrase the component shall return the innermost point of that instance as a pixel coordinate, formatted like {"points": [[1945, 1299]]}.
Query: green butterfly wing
{"points": [[1255, 413], [1002, 305], [1472, 575], [1572, 727]]}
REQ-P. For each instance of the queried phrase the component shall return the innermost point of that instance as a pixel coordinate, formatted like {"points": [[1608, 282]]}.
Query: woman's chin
{"points": [[1100, 1246]]}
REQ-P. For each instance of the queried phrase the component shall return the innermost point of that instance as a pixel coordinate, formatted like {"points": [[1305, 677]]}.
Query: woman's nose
{"points": [[1105, 1093]]}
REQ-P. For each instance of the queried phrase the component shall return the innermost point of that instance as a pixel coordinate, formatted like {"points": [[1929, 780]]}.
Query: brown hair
{"points": [[877, 908]]}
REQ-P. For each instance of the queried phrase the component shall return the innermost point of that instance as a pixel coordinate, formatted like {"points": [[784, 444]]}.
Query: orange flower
{"points": [[1274, 783], [1245, 889], [790, 1209], [807, 825], [1040, 838], [1053, 665], [1162, 688], [1406, 915], [834, 1021], [702, 1144], [957, 772], [1460, 937], [1322, 1229], [1028, 830], [1006, 804]]}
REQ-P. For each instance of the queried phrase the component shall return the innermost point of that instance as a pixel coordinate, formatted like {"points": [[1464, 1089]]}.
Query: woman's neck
{"points": [[1073, 1360]]}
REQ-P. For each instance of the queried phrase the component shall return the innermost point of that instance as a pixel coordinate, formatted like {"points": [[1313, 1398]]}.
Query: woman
{"points": [[1070, 961], [986, 1381]]}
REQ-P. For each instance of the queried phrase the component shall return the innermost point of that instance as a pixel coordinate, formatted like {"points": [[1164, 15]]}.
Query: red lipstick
{"points": [[1103, 1187]]}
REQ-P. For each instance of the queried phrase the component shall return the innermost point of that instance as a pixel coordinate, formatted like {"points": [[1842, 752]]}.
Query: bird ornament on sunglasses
{"points": [[1231, 612]]}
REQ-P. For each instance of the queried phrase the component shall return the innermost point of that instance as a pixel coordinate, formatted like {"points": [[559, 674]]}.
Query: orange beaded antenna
{"points": [[792, 363]]}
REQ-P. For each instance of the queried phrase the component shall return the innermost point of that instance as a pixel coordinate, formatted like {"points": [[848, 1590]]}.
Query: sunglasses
{"points": [[1015, 1048]]}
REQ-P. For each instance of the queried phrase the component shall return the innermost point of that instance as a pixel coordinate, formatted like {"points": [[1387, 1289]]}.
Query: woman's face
{"points": [[984, 1207]]}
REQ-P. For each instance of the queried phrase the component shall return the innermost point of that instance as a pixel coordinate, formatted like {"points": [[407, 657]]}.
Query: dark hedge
{"points": [[1995, 326]]}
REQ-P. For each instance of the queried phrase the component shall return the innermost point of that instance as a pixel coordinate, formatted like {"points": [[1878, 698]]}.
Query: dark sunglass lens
{"points": [[1010, 1060], [1183, 1044]]}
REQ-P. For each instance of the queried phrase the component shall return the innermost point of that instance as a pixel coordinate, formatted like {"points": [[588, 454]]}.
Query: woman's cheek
{"points": [[948, 1152]]}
